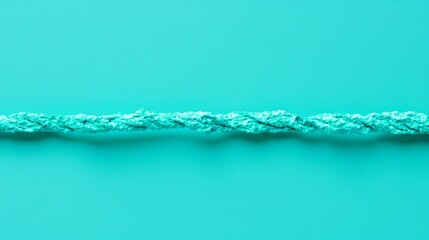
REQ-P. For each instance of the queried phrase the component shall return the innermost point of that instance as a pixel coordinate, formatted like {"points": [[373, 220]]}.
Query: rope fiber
{"points": [[206, 122]]}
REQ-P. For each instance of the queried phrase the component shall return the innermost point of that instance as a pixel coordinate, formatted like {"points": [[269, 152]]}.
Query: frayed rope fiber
{"points": [[206, 122]]}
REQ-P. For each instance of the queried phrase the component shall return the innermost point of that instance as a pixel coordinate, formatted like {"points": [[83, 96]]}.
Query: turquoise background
{"points": [[306, 57]]}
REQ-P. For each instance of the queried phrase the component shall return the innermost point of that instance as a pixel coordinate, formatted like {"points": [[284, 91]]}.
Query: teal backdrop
{"points": [[306, 57]]}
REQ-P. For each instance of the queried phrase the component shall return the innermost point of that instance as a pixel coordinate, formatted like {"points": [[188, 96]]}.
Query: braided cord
{"points": [[206, 122]]}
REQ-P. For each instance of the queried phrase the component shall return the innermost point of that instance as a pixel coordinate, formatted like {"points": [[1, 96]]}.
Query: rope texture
{"points": [[206, 122]]}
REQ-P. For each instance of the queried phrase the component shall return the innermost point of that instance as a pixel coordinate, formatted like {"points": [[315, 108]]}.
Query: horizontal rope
{"points": [[206, 122]]}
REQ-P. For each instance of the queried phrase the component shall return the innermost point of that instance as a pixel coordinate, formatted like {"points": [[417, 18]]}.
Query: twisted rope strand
{"points": [[206, 122]]}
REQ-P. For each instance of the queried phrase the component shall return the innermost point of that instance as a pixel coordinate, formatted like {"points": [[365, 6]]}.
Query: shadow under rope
{"points": [[119, 139]]}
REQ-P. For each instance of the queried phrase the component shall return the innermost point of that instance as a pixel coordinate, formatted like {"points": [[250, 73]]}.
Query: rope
{"points": [[206, 122]]}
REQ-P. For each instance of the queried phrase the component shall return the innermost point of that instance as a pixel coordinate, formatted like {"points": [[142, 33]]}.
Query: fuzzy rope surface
{"points": [[206, 122]]}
